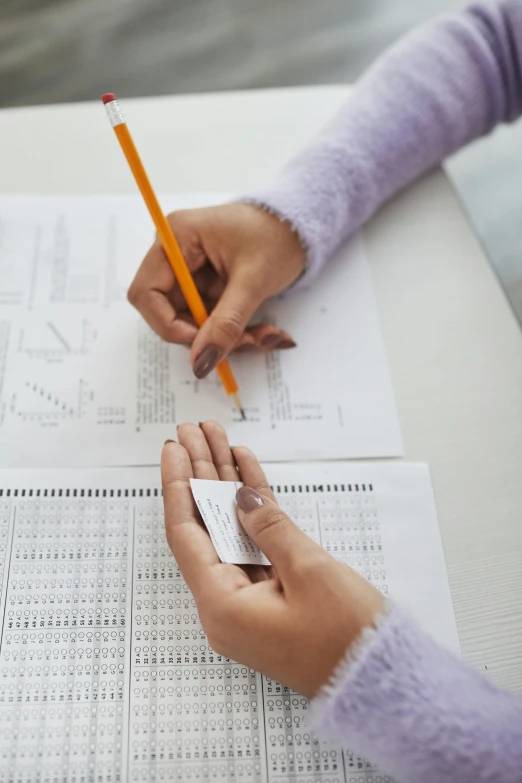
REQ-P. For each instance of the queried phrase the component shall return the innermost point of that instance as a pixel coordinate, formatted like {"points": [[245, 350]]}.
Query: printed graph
{"points": [[53, 339], [42, 405]]}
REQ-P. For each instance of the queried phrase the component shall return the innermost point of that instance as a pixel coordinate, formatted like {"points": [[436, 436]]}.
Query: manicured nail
{"points": [[287, 344], [246, 348], [206, 361], [248, 499], [270, 339], [169, 440]]}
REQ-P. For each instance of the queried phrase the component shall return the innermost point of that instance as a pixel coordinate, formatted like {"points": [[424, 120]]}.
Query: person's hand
{"points": [[239, 256], [292, 622]]}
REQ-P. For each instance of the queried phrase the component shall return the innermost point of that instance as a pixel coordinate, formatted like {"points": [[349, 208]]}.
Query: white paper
{"points": [[216, 502], [84, 381], [105, 672]]}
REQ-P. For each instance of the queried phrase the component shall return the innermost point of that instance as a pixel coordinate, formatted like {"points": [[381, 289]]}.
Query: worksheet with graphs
{"points": [[105, 671], [84, 381]]}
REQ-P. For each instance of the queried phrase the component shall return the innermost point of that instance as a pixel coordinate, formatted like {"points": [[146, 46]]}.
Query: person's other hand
{"points": [[239, 256], [292, 622]]}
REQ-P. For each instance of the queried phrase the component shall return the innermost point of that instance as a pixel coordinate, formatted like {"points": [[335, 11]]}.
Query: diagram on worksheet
{"points": [[57, 339]]}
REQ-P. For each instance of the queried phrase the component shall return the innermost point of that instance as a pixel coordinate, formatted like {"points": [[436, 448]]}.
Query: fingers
{"points": [[148, 293], [225, 465], [151, 290], [193, 439], [158, 312], [290, 543], [285, 545], [187, 538], [231, 241], [206, 455], [159, 300], [225, 326], [269, 337], [208, 283], [251, 472], [204, 452], [211, 582], [220, 450]]}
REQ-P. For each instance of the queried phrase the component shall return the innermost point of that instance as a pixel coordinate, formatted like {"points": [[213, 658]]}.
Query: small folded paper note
{"points": [[216, 501]]}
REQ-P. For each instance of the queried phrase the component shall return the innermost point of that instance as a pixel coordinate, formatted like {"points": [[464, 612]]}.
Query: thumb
{"points": [[273, 531], [226, 324]]}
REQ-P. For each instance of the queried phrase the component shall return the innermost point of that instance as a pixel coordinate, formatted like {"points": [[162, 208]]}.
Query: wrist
{"points": [[285, 236]]}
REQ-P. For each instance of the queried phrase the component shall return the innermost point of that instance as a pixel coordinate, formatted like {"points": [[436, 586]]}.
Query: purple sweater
{"points": [[420, 713]]}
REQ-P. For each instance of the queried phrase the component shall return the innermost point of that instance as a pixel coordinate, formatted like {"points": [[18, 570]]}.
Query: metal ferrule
{"points": [[114, 113]]}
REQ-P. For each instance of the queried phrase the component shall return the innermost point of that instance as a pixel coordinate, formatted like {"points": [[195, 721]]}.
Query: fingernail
{"points": [[248, 499], [270, 339], [206, 361], [169, 440], [246, 348], [287, 344]]}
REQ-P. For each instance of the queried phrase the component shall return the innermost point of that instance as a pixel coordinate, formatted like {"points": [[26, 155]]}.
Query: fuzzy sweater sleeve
{"points": [[420, 713], [443, 85]]}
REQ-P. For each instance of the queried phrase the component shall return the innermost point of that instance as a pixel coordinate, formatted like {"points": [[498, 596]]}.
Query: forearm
{"points": [[419, 712], [440, 87]]}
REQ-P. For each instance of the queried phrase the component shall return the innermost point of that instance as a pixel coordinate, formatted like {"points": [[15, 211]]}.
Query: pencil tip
{"points": [[237, 400]]}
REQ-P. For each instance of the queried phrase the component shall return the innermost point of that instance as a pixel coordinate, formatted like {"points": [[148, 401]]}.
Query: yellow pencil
{"points": [[167, 238]]}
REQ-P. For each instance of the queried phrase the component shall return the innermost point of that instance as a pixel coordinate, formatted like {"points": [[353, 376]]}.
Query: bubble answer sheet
{"points": [[84, 381], [105, 671]]}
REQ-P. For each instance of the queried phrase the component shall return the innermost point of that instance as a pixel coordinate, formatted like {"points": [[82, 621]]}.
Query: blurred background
{"points": [[52, 51]]}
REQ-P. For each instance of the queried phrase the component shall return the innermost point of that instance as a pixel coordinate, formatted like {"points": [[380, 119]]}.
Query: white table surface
{"points": [[454, 347]]}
